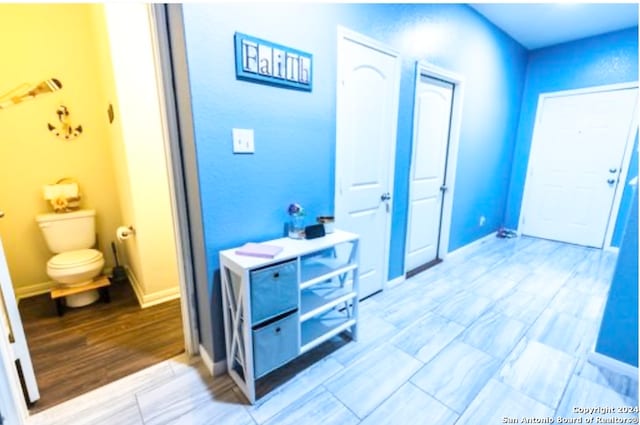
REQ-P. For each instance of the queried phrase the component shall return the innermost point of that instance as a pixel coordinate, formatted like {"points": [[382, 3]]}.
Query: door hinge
{"points": [[524, 220]]}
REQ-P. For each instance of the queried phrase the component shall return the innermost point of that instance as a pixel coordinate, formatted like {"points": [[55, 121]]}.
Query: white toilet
{"points": [[71, 235]]}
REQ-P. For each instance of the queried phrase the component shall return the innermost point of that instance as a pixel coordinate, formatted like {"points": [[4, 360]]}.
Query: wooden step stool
{"points": [[101, 283]]}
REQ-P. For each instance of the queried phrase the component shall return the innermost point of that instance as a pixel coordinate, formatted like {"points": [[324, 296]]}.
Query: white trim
{"points": [[347, 34], [28, 291], [155, 298], [613, 213], [430, 70], [220, 368], [168, 115], [613, 365], [395, 282], [206, 360], [214, 368], [463, 250], [622, 178], [613, 249]]}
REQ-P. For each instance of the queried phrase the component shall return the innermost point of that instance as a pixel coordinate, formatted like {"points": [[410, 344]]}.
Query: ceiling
{"points": [[544, 24]]}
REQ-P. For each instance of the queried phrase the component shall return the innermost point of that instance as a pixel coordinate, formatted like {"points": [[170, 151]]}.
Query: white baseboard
{"points": [[616, 366], [33, 290], [613, 249], [155, 298], [468, 247], [397, 281], [220, 368], [206, 359], [215, 369]]}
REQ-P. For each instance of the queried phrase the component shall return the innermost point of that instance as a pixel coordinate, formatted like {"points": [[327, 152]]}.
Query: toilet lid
{"points": [[74, 258]]}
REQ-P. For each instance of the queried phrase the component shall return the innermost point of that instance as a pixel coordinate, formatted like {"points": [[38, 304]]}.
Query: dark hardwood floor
{"points": [[91, 346]]}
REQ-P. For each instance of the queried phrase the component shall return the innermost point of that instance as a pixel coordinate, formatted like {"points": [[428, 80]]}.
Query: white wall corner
{"points": [[215, 369], [208, 363], [148, 300], [613, 365]]}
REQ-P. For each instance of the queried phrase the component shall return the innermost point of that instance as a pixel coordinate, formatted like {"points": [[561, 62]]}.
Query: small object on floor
{"points": [[504, 233], [101, 283]]}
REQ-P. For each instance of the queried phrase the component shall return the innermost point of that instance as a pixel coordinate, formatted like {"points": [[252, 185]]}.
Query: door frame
{"points": [[176, 171], [626, 157], [427, 69], [348, 34]]}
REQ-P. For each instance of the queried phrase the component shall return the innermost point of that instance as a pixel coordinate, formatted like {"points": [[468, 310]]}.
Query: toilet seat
{"points": [[72, 259]]}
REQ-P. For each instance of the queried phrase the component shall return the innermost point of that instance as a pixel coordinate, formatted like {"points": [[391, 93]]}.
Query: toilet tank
{"points": [[68, 231]]}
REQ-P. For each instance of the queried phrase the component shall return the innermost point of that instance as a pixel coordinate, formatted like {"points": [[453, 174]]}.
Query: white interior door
{"points": [[432, 121], [367, 113], [576, 159], [13, 339]]}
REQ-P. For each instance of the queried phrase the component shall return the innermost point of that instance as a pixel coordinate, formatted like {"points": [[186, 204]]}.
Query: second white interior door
{"points": [[431, 139]]}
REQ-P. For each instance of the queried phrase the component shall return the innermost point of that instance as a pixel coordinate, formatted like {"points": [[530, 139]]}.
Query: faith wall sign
{"points": [[264, 62]]}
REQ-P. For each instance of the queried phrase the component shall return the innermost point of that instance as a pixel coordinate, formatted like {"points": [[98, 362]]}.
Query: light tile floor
{"points": [[501, 333]]}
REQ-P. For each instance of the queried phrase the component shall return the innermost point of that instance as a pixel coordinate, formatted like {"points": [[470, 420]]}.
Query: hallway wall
{"points": [[244, 197]]}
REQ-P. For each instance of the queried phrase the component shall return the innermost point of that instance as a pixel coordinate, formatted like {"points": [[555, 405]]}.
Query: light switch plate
{"points": [[243, 140]]}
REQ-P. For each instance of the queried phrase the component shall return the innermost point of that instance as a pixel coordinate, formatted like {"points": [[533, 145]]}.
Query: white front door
{"points": [[366, 120], [432, 120], [576, 159]]}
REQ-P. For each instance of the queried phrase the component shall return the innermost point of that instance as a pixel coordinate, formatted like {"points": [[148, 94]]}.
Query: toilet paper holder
{"points": [[125, 232]]}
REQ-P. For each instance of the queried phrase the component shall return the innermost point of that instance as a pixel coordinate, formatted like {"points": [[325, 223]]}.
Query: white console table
{"points": [[278, 308]]}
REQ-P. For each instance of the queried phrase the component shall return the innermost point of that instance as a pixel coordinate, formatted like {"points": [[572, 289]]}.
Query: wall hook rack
{"points": [[66, 130], [28, 91]]}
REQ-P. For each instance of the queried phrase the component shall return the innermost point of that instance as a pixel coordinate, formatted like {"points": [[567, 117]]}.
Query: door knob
{"points": [[1, 214], [611, 181], [613, 170], [385, 196]]}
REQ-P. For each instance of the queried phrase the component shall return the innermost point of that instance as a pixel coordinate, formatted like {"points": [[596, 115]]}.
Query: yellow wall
{"points": [[40, 42], [143, 161]]}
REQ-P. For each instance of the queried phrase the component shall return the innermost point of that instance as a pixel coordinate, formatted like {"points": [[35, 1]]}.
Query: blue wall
{"points": [[618, 336], [244, 196], [606, 59]]}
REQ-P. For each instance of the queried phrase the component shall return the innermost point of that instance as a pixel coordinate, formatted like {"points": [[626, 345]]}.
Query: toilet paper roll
{"points": [[123, 233]]}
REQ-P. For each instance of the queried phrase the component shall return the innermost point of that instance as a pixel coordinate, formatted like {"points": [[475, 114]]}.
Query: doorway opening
{"points": [[169, 308]]}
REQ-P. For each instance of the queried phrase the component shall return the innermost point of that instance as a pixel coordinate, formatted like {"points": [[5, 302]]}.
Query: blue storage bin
{"points": [[274, 290], [275, 344]]}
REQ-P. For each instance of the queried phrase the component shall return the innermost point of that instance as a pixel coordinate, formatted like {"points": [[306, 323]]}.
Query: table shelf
{"points": [[320, 328], [323, 297], [326, 280]]}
